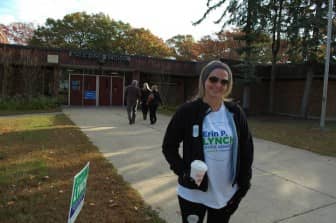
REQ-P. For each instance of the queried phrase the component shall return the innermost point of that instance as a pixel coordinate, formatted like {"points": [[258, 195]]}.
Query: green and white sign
{"points": [[78, 193]]}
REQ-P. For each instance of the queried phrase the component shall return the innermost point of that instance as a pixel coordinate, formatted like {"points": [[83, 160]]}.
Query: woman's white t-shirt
{"points": [[217, 145]]}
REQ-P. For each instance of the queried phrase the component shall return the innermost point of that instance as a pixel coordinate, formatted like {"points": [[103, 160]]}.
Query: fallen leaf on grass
{"points": [[113, 205], [9, 203]]}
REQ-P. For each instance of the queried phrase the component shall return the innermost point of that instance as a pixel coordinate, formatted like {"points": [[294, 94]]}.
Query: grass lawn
{"points": [[304, 134], [39, 156], [19, 112]]}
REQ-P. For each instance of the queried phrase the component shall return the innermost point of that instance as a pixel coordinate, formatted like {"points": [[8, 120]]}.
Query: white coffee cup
{"points": [[197, 171], [192, 218]]}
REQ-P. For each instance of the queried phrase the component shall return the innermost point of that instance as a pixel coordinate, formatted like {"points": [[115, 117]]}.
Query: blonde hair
{"points": [[155, 87], [206, 70], [146, 86]]}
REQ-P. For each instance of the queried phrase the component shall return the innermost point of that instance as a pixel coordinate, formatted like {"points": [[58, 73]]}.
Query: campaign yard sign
{"points": [[78, 193]]}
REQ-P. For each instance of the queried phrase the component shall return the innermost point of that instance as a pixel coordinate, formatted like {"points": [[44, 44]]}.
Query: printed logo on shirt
{"points": [[214, 141]]}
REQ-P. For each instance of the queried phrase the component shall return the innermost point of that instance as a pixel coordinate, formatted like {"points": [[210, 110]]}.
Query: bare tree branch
{"points": [[210, 9]]}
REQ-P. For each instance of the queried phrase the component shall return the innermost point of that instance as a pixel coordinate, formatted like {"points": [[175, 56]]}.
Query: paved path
{"points": [[289, 185]]}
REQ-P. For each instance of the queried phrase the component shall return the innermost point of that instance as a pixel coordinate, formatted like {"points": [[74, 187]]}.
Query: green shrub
{"points": [[23, 103]]}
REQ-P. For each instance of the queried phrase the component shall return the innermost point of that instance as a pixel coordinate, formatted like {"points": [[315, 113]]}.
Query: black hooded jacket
{"points": [[180, 129]]}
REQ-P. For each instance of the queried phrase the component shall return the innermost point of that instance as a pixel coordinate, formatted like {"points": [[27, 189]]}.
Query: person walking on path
{"points": [[132, 96], [145, 91], [153, 101], [215, 132]]}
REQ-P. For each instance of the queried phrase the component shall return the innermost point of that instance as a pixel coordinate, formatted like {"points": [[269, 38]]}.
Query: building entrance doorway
{"points": [[76, 90], [117, 90], [105, 90], [96, 90], [90, 93]]}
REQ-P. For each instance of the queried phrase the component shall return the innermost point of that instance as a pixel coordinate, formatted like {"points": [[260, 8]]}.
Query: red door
{"points": [[76, 89], [89, 90], [117, 90], [104, 90]]}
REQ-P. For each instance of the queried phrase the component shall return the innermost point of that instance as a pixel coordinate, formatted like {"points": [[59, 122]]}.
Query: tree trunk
{"points": [[248, 30], [306, 93], [272, 88], [275, 50], [246, 98]]}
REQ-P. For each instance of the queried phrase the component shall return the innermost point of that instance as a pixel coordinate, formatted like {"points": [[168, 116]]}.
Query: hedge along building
{"points": [[79, 77]]}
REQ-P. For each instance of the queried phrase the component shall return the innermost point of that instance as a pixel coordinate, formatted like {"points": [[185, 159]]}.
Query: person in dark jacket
{"points": [[214, 130], [132, 97], [153, 101], [145, 92]]}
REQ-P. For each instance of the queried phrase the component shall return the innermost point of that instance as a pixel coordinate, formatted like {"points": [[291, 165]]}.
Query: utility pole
{"points": [[326, 67]]}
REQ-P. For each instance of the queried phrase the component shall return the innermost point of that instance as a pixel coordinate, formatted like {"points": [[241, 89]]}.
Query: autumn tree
{"points": [[17, 32], [143, 42], [184, 47], [210, 48], [3, 37], [223, 45], [98, 32], [81, 31], [231, 38]]}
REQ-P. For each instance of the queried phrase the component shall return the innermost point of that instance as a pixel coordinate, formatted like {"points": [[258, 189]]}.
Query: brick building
{"points": [[79, 77]]}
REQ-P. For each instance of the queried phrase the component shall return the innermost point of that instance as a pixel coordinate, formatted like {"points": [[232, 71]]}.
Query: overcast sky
{"points": [[164, 18]]}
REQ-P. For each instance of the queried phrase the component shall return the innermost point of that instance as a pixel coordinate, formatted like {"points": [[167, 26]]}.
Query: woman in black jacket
{"points": [[153, 101], [213, 130], [145, 92]]}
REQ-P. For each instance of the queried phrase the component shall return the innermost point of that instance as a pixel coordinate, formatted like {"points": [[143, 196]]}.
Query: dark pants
{"points": [[152, 113], [144, 109], [213, 215], [131, 112]]}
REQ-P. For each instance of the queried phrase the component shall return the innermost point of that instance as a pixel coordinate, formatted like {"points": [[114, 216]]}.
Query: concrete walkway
{"points": [[289, 185]]}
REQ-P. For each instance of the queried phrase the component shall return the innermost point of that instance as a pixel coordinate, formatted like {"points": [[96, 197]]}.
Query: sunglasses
{"points": [[214, 80]]}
